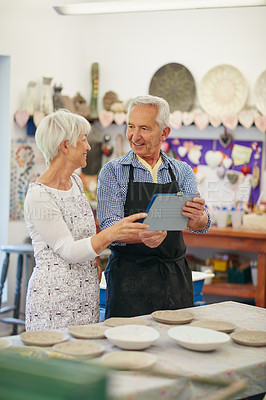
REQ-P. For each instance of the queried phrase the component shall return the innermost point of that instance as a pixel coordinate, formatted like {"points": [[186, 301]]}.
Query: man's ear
{"points": [[64, 146], [165, 133]]}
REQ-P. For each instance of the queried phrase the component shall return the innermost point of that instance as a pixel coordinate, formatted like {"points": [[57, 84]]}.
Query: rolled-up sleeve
{"points": [[110, 202]]}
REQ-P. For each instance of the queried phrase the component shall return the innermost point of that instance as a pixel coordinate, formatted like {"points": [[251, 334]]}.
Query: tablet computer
{"points": [[164, 211]]}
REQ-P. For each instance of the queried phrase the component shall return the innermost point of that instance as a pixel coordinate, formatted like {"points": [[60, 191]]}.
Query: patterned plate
{"points": [[260, 93], [174, 83], [173, 317], [250, 338], [42, 338], [222, 91]]}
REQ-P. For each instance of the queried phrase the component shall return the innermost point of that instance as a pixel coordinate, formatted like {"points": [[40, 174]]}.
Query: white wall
{"points": [[129, 49], [4, 153]]}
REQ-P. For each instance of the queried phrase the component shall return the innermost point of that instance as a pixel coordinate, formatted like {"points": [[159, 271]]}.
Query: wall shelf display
{"points": [[246, 118], [224, 174]]}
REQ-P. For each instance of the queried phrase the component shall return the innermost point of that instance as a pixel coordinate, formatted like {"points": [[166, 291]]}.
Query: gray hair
{"points": [[56, 127], [163, 115]]}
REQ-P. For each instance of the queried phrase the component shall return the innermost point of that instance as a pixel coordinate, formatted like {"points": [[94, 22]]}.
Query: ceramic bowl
{"points": [[132, 337], [199, 339]]}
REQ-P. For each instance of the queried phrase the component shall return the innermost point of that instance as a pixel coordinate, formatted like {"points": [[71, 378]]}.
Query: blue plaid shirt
{"points": [[113, 184]]}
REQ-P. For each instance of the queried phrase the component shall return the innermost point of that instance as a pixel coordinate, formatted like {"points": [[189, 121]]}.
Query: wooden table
{"points": [[235, 239]]}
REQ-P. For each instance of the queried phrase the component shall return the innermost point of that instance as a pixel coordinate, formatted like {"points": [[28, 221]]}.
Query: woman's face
{"points": [[79, 153]]}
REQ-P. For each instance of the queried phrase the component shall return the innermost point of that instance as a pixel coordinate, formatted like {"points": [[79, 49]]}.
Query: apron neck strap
{"points": [[131, 173]]}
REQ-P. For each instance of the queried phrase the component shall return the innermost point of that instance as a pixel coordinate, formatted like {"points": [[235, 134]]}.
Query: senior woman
{"points": [[64, 286]]}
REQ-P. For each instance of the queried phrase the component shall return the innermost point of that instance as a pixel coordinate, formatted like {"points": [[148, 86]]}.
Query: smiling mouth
{"points": [[136, 144]]}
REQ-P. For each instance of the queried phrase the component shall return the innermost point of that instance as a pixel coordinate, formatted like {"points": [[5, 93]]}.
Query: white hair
{"points": [[163, 115], [56, 127]]}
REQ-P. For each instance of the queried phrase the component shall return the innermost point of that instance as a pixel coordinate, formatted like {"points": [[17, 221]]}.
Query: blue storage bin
{"points": [[198, 286], [198, 297], [102, 298]]}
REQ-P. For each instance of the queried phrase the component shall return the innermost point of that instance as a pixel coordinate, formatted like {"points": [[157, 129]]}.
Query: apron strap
{"points": [[131, 173]]}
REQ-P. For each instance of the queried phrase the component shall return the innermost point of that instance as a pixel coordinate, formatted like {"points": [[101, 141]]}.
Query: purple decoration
{"points": [[208, 144]]}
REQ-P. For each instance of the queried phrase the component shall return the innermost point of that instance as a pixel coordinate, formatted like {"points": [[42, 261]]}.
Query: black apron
{"points": [[139, 279]]}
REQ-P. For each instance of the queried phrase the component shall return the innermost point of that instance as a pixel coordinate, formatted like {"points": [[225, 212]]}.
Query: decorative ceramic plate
{"points": [[93, 331], [4, 343], [199, 339], [173, 317], [250, 338], [42, 338], [128, 360], [80, 348], [132, 337], [117, 321], [221, 326], [222, 91], [27, 351], [174, 83], [260, 93]]}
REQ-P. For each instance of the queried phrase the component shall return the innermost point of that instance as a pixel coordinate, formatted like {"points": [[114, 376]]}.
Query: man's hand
{"points": [[194, 210], [152, 239]]}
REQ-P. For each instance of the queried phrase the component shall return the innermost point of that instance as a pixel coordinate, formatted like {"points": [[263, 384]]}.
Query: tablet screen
{"points": [[164, 211]]}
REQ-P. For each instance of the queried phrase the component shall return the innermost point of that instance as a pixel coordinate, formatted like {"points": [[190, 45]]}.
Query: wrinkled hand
{"points": [[152, 239], [127, 228], [194, 210], [97, 264]]}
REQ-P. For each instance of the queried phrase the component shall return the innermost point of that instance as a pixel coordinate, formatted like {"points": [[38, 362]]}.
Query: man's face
{"points": [[143, 132]]}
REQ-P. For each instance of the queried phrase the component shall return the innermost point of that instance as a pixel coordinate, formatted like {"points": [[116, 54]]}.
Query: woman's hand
{"points": [[127, 228], [97, 264]]}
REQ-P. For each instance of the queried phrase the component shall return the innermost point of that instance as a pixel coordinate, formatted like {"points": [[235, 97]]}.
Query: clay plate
{"points": [[93, 331], [117, 321], [42, 338], [80, 348], [173, 317], [128, 360], [221, 326], [250, 338]]}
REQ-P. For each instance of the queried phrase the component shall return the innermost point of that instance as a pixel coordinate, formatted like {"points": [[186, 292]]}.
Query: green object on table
{"points": [[94, 90], [54, 379]]}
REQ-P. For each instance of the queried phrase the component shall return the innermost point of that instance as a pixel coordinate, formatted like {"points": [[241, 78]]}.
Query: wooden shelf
{"points": [[237, 240], [231, 289]]}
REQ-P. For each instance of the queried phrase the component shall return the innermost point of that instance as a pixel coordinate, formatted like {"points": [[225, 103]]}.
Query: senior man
{"points": [[148, 271]]}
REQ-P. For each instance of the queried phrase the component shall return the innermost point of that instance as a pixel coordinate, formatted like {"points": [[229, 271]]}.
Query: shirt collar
{"points": [[131, 158]]}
